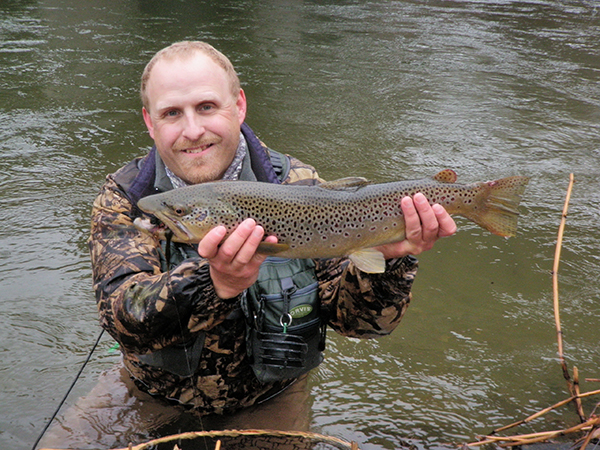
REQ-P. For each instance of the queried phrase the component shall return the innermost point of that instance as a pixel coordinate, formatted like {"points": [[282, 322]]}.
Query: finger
{"points": [[208, 247], [447, 226], [412, 221], [247, 251], [232, 245], [429, 222], [271, 239]]}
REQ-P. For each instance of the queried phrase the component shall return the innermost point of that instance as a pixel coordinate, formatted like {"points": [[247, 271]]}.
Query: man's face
{"points": [[193, 117]]}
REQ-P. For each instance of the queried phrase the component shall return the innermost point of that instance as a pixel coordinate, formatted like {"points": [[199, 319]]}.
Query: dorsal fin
{"points": [[446, 176], [345, 184]]}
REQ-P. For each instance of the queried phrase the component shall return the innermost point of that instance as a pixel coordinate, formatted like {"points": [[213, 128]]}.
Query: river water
{"points": [[382, 89]]}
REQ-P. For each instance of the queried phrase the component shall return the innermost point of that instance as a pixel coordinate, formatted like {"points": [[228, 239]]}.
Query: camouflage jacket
{"points": [[146, 308]]}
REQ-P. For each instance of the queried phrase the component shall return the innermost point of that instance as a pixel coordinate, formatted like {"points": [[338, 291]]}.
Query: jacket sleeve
{"points": [[356, 303], [143, 308], [363, 305]]}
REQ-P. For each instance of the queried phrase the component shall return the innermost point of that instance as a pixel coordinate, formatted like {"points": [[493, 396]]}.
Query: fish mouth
{"points": [[182, 234], [148, 226], [150, 206], [162, 228]]}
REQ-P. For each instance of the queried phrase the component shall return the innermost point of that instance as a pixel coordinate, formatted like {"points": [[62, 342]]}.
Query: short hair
{"points": [[186, 49]]}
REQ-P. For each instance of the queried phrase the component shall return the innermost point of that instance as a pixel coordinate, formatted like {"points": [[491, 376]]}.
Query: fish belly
{"points": [[331, 224]]}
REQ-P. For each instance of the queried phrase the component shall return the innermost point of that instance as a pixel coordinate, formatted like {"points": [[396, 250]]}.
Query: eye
{"points": [[171, 113], [180, 210], [206, 107]]}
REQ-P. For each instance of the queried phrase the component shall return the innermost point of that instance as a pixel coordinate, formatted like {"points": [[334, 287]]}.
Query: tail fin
{"points": [[499, 211]]}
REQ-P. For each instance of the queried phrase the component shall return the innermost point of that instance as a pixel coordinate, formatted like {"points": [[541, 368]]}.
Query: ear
{"points": [[148, 121], [241, 106]]}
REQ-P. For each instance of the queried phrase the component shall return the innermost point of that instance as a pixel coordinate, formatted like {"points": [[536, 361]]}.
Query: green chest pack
{"points": [[285, 330]]}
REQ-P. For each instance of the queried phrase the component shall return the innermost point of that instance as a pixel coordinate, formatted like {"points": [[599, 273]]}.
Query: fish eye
{"points": [[180, 210]]}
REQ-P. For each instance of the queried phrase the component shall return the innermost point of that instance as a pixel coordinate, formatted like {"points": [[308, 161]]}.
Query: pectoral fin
{"points": [[368, 260], [267, 248]]}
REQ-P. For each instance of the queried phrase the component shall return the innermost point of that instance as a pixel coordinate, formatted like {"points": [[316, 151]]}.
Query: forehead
{"points": [[182, 75]]}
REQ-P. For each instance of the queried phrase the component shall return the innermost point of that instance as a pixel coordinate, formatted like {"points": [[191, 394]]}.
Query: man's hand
{"points": [[234, 262], [425, 224]]}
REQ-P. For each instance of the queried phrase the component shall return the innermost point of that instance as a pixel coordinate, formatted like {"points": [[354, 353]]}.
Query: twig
{"points": [[561, 229], [544, 411], [589, 437], [590, 425], [572, 389], [533, 416], [307, 436], [531, 438], [578, 404]]}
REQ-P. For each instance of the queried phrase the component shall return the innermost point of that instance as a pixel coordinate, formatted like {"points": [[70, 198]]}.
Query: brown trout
{"points": [[346, 217]]}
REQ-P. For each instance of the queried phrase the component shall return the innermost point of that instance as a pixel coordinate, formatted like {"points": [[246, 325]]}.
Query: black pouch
{"points": [[285, 331]]}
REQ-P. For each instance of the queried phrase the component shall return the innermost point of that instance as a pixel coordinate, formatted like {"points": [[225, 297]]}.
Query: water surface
{"points": [[381, 89]]}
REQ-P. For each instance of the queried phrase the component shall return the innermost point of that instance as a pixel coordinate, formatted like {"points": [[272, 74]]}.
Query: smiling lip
{"points": [[197, 150]]}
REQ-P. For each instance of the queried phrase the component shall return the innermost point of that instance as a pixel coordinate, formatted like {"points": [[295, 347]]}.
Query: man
{"points": [[179, 322]]}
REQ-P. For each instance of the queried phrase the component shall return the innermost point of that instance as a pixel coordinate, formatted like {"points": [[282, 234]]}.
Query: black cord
{"points": [[62, 402], [169, 236]]}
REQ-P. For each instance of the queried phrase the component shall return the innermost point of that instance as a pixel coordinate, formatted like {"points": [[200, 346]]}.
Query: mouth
{"points": [[147, 226], [198, 149], [160, 229], [182, 234]]}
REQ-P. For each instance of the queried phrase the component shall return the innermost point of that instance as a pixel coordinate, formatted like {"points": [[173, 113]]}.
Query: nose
{"points": [[193, 127]]}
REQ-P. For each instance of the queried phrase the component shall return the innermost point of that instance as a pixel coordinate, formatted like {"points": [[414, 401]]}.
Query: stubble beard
{"points": [[208, 167]]}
